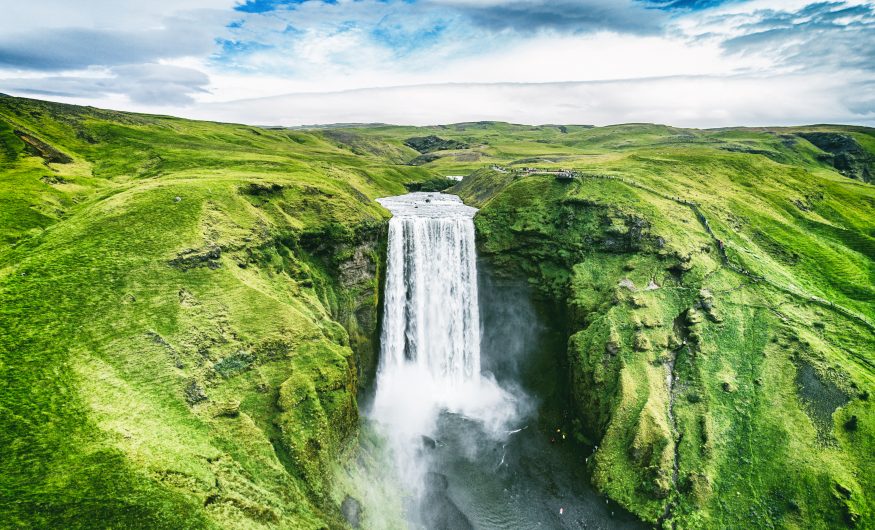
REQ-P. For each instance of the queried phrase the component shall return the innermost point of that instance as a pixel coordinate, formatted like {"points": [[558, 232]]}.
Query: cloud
{"points": [[823, 35], [50, 15], [179, 52], [319, 40], [103, 48], [365, 41], [686, 5], [55, 36], [266, 6], [74, 48], [705, 101], [378, 42], [149, 84], [429, 30]]}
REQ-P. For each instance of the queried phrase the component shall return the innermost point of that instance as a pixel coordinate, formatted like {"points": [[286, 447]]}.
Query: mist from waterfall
{"points": [[430, 345]]}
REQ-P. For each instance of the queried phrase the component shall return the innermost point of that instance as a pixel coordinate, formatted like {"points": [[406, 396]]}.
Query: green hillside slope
{"points": [[722, 307], [171, 301], [188, 308]]}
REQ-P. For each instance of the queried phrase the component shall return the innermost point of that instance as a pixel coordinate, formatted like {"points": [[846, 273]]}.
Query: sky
{"points": [[691, 63]]}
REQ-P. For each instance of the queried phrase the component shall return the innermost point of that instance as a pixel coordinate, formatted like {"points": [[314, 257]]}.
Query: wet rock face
{"points": [[359, 276], [428, 442], [360, 269], [352, 511], [193, 258], [622, 232], [42, 149], [436, 482], [422, 160], [822, 397], [426, 144], [354, 256], [439, 512], [845, 154], [228, 409], [194, 393]]}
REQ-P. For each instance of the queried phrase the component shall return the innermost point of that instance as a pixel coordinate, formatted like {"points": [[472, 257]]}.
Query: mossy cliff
{"points": [[699, 292]]}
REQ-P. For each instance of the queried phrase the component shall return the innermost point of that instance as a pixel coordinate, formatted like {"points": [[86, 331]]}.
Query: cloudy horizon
{"points": [[693, 63]]}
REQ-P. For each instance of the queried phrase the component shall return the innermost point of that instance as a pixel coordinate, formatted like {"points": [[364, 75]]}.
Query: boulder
{"points": [[352, 511]]}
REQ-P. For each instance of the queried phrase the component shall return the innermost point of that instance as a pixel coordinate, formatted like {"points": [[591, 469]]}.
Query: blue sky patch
{"points": [[404, 40], [265, 6], [687, 5], [231, 48]]}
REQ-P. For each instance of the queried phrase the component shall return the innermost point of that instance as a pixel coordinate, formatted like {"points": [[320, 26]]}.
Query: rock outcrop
{"points": [[844, 153]]}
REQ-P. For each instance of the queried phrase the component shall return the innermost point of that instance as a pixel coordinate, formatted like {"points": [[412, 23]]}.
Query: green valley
{"points": [[189, 311]]}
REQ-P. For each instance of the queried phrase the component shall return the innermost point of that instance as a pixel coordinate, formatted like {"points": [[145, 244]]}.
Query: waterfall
{"points": [[430, 343], [446, 445], [431, 316]]}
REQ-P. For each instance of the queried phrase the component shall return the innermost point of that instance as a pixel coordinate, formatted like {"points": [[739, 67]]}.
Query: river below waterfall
{"points": [[470, 397]]}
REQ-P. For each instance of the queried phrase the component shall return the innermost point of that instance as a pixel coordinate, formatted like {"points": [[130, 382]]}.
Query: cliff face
{"points": [[353, 262], [695, 325], [845, 153]]}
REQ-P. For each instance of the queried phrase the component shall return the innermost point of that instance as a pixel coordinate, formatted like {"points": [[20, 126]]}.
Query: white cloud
{"points": [[547, 58], [47, 15], [143, 84], [704, 101], [597, 61]]}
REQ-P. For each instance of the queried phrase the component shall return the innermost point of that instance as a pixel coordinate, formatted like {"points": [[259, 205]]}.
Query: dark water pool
{"points": [[525, 482], [533, 478]]}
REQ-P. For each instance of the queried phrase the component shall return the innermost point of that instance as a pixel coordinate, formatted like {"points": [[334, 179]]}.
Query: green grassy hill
{"points": [[179, 304], [187, 309], [721, 303]]}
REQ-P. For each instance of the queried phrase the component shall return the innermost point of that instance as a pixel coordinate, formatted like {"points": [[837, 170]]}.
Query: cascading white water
{"points": [[430, 351], [431, 314]]}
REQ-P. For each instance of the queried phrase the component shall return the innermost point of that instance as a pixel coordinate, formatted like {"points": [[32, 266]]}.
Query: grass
{"points": [[187, 310]]}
